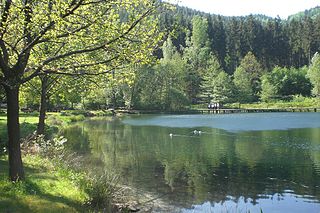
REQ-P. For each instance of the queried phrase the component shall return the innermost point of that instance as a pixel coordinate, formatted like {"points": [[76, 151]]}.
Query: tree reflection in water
{"points": [[271, 169]]}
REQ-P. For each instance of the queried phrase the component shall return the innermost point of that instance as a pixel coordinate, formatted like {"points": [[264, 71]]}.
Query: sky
{"points": [[272, 8]]}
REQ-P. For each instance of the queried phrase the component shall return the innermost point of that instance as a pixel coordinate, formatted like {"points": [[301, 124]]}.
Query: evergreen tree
{"points": [[307, 37], [233, 45], [217, 36], [209, 80], [223, 88], [196, 55]]}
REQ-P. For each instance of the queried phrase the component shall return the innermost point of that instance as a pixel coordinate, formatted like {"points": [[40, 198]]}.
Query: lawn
{"points": [[29, 121], [47, 188]]}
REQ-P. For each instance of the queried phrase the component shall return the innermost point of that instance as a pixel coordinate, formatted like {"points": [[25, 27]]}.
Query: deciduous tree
{"points": [[73, 37], [314, 74]]}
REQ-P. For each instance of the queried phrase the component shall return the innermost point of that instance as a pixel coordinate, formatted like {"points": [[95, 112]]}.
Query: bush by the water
{"points": [[102, 189], [75, 118]]}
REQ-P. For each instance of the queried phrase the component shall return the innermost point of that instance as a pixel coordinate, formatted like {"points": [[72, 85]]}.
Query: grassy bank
{"points": [[55, 180], [295, 103], [47, 188], [54, 122]]}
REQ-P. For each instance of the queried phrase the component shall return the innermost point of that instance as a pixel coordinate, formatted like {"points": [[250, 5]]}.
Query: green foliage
{"points": [[284, 83], [242, 82], [29, 96], [199, 38], [75, 118], [297, 102], [196, 56], [313, 12], [25, 128], [268, 90], [314, 74], [274, 41], [253, 68], [289, 82], [250, 64], [168, 49], [216, 85], [99, 36], [47, 188], [162, 86], [223, 88], [259, 41], [102, 190]]}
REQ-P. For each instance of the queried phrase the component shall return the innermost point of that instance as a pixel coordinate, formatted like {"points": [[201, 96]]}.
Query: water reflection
{"points": [[217, 170]]}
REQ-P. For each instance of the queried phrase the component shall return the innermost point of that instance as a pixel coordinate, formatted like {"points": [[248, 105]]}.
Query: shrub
{"points": [[54, 121], [34, 143], [104, 190], [76, 118]]}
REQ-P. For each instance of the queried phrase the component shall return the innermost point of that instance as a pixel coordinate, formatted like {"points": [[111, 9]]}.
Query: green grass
{"points": [[295, 103], [32, 118], [29, 121], [54, 122], [47, 188]]}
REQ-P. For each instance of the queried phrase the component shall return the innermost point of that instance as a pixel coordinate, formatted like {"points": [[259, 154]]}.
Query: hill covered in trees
{"points": [[273, 41], [312, 13], [207, 58], [211, 58]]}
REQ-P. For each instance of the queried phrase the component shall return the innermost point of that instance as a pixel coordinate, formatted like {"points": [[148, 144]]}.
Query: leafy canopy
{"points": [[74, 36]]}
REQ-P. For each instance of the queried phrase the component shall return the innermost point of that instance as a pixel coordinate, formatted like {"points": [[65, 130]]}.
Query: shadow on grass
{"points": [[4, 168], [28, 196], [37, 202], [7, 205]]}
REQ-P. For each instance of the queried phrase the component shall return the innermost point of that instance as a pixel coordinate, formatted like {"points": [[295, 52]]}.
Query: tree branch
{"points": [[83, 73], [66, 34], [34, 87], [4, 18], [4, 56], [133, 25], [89, 64], [51, 25], [82, 51]]}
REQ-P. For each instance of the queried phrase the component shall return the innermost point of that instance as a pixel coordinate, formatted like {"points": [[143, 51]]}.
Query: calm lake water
{"points": [[238, 163]]}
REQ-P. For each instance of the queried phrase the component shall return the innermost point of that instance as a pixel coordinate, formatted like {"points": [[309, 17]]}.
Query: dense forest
{"points": [[211, 58], [286, 43], [202, 58]]}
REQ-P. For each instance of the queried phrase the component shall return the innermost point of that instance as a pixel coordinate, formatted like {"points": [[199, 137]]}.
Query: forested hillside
{"points": [[273, 41], [312, 13], [209, 58], [203, 58]]}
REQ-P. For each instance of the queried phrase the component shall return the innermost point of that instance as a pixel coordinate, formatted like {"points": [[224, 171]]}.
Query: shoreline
{"points": [[221, 111]]}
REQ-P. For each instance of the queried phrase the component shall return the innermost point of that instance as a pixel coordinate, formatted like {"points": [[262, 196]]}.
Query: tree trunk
{"points": [[16, 171], [43, 106]]}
